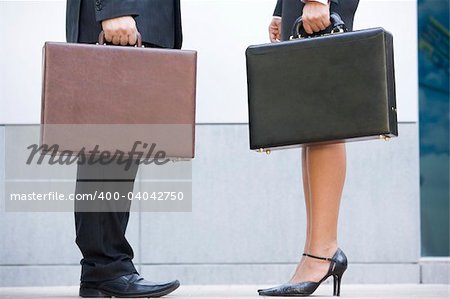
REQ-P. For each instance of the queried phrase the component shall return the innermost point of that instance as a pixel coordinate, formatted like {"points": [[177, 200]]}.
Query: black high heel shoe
{"points": [[338, 265]]}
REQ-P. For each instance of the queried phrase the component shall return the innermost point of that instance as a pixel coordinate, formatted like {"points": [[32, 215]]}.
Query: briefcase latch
{"points": [[267, 151], [385, 137]]}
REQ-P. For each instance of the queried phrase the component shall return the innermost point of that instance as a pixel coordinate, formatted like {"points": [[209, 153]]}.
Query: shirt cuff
{"points": [[320, 1]]}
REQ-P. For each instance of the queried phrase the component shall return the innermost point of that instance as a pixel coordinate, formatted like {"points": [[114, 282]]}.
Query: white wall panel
{"points": [[219, 29]]}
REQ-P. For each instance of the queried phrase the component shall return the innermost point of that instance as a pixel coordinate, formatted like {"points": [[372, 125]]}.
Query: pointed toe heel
{"points": [[338, 265]]}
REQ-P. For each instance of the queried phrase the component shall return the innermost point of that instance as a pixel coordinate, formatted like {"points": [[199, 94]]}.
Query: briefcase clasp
{"points": [[385, 137], [267, 151]]}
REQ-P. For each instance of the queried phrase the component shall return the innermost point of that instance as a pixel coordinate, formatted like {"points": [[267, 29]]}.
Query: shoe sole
{"points": [[99, 293]]}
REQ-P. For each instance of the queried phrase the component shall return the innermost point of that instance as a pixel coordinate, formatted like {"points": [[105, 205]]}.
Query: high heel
{"points": [[337, 285], [338, 265]]}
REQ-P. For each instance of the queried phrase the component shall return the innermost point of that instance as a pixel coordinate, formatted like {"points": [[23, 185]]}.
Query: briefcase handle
{"points": [[337, 25], [101, 39]]}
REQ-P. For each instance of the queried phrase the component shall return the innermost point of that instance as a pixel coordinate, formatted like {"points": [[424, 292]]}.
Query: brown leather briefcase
{"points": [[112, 97]]}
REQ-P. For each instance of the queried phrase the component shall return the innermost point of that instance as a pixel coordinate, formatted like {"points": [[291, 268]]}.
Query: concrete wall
{"points": [[248, 219]]}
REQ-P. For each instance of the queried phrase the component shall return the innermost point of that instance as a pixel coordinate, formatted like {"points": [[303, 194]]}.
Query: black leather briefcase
{"points": [[331, 88]]}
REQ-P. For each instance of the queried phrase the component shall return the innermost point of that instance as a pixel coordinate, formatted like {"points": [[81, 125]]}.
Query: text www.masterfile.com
{"points": [[100, 196]]}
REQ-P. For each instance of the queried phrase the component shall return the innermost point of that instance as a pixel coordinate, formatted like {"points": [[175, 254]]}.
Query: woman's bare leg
{"points": [[325, 167], [308, 207]]}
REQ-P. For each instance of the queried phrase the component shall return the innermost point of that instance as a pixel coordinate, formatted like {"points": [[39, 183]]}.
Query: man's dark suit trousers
{"points": [[101, 235]]}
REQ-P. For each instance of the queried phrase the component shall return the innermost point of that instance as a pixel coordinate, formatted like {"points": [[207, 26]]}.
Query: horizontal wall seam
{"points": [[208, 264], [208, 124]]}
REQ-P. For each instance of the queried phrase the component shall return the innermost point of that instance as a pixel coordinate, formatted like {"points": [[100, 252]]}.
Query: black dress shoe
{"points": [[338, 266], [127, 286]]}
